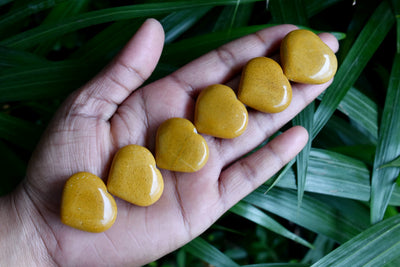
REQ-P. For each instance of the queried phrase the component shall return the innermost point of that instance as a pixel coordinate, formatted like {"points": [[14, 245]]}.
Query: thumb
{"points": [[131, 67]]}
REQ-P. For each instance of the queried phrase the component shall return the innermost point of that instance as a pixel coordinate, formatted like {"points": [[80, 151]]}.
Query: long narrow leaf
{"points": [[388, 148], [178, 22], [44, 32], [375, 246], [315, 215], [305, 119], [361, 110], [30, 8], [19, 132], [365, 46], [333, 174], [255, 215], [205, 251]]}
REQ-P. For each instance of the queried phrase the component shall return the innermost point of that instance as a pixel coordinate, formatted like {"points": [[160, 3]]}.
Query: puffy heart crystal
{"points": [[219, 113], [264, 87], [305, 58], [86, 204], [134, 176], [179, 147]]}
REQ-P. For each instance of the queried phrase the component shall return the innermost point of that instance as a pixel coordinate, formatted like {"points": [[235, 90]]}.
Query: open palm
{"points": [[108, 113]]}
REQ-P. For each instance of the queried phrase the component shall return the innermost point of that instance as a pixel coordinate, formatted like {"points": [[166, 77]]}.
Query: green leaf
{"points": [[361, 110], [288, 11], [319, 216], [388, 148], [314, 7], [22, 133], [30, 8], [277, 265], [322, 246], [233, 17], [393, 163], [333, 174], [305, 119], [365, 46], [373, 247], [178, 22], [208, 253], [10, 58], [49, 31], [44, 81], [255, 215]]}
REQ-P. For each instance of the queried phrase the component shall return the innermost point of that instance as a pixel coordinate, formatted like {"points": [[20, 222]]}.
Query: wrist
{"points": [[20, 240]]}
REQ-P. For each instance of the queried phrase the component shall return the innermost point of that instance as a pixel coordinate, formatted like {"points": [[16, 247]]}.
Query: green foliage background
{"points": [[335, 204]]}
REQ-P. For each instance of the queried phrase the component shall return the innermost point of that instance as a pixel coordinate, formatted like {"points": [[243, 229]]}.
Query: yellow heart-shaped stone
{"points": [[264, 87], [219, 113], [179, 147], [86, 204], [134, 177], [305, 58]]}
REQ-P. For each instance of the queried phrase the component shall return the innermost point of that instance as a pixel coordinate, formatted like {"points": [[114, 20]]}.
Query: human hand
{"points": [[110, 112]]}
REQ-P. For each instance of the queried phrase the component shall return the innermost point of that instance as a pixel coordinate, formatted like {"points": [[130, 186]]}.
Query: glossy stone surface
{"points": [[134, 176], [264, 87], [219, 113], [305, 58], [179, 147], [86, 204]]}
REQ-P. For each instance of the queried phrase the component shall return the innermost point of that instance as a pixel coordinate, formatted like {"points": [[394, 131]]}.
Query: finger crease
{"points": [[181, 208], [187, 87], [133, 70]]}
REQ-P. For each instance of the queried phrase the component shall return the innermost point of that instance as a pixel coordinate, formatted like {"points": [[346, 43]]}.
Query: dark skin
{"points": [[110, 112]]}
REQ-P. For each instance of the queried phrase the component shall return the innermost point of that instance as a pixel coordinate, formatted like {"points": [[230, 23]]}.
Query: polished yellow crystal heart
{"points": [[219, 113], [179, 147], [264, 87], [305, 58], [134, 177], [86, 204]]}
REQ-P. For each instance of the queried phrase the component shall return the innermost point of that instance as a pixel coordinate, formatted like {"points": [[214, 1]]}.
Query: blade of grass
{"points": [[316, 215], [365, 46], [15, 58], [388, 148], [178, 22], [396, 7], [322, 246], [288, 11], [31, 8], [44, 81], [277, 265], [333, 174], [361, 110], [12, 166], [208, 253], [305, 119], [103, 46], [57, 14], [256, 215], [314, 7], [22, 133], [233, 17], [373, 247], [39, 34]]}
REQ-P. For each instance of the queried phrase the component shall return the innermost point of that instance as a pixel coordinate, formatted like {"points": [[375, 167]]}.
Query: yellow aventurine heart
{"points": [[306, 58], [179, 147], [134, 177], [86, 204], [219, 113], [264, 87]]}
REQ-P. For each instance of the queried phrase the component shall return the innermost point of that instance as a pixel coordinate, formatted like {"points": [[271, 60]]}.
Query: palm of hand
{"points": [[105, 115]]}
